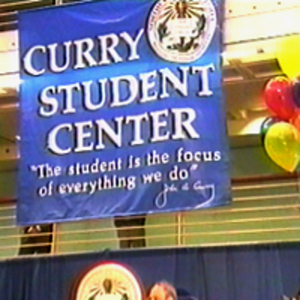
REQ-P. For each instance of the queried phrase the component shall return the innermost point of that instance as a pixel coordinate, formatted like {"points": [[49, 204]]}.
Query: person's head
{"points": [[162, 291]]}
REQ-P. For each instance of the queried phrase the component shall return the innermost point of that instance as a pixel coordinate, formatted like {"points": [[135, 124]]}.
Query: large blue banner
{"points": [[122, 110]]}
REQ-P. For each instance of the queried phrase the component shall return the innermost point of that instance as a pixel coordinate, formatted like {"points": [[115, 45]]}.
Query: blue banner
{"points": [[122, 110]]}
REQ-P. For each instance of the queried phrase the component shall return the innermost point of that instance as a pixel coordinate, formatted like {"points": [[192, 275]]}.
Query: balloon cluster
{"points": [[281, 132]]}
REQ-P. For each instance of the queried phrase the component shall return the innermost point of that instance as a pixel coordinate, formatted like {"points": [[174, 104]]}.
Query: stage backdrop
{"points": [[122, 110], [233, 273]]}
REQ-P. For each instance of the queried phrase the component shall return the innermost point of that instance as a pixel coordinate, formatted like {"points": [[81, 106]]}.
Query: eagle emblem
{"points": [[181, 30]]}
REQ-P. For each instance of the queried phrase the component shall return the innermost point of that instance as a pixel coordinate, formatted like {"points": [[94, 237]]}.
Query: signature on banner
{"points": [[207, 190]]}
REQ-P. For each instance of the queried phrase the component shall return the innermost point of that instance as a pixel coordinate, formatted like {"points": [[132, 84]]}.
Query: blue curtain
{"points": [[227, 273]]}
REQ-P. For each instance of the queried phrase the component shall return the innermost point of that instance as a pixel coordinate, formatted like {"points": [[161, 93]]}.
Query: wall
{"points": [[260, 212]]}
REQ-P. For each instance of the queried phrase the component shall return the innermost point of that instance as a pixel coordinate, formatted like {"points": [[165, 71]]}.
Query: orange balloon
{"points": [[295, 120]]}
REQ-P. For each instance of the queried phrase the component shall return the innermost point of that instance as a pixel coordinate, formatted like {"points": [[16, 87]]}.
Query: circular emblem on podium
{"points": [[109, 281], [181, 30]]}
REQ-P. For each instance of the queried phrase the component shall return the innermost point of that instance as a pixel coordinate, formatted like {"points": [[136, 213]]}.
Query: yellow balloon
{"points": [[282, 143], [288, 55]]}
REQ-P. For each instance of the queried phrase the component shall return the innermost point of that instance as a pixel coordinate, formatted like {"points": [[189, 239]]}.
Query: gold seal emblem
{"points": [[181, 30], [109, 281]]}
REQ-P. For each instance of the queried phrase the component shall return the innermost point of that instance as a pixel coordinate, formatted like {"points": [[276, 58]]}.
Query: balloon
{"points": [[296, 91], [288, 55], [278, 97], [266, 124], [295, 119], [282, 144]]}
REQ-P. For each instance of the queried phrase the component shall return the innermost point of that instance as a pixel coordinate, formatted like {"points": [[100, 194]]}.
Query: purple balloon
{"points": [[296, 91]]}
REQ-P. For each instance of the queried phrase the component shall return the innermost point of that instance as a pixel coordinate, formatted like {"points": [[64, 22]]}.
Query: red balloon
{"points": [[279, 97], [295, 119]]}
